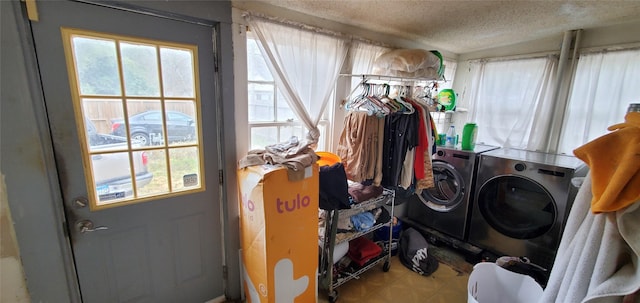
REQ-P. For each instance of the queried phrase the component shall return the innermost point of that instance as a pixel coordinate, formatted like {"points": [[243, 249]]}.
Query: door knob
{"points": [[86, 226]]}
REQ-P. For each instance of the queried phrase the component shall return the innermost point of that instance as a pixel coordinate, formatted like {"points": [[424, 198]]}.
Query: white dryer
{"points": [[445, 207], [522, 200]]}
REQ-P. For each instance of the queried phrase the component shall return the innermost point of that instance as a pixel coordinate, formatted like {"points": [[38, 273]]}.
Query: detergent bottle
{"points": [[469, 132]]}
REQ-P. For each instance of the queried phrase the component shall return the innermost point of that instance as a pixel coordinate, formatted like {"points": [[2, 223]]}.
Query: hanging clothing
{"points": [[423, 166], [358, 146], [388, 141], [401, 134], [377, 180], [407, 174]]}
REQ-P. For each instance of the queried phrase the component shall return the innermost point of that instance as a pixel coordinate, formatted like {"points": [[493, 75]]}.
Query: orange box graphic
{"points": [[279, 234]]}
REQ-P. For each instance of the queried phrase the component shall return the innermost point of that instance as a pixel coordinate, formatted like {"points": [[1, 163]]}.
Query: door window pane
{"points": [[98, 124], [140, 70], [156, 163], [112, 177], [96, 65], [185, 168], [181, 122], [145, 123], [177, 72]]}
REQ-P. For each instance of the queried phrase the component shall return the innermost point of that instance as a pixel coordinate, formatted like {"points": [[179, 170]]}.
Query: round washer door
{"points": [[448, 191], [516, 206]]}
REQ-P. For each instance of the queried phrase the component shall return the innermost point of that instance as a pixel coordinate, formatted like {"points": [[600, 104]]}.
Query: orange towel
{"points": [[614, 160]]}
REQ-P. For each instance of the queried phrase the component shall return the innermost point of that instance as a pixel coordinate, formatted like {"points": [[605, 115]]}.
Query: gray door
{"points": [[143, 216]]}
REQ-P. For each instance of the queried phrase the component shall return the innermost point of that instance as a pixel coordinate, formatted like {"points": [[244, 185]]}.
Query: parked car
{"points": [[111, 171], [146, 127]]}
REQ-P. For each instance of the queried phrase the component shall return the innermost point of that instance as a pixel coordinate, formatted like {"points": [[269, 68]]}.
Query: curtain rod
{"points": [[610, 48], [583, 51], [287, 22], [516, 57], [282, 21]]}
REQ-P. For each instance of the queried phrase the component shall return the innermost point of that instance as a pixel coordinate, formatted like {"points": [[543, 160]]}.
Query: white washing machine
{"points": [[445, 207], [522, 200]]}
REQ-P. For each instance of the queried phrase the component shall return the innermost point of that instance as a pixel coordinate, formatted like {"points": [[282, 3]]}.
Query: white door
{"points": [[131, 100]]}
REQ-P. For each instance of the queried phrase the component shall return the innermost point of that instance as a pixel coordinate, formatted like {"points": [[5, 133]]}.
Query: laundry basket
{"points": [[327, 158], [490, 283]]}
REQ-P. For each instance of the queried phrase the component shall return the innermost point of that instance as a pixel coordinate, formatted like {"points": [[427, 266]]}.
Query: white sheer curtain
{"points": [[511, 102], [306, 65], [603, 87], [363, 55], [449, 73]]}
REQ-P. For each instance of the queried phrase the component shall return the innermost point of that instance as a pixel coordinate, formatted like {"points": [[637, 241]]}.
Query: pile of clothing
{"points": [[294, 154]]}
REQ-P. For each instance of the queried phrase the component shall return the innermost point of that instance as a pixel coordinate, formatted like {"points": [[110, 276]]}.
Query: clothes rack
{"points": [[406, 134]]}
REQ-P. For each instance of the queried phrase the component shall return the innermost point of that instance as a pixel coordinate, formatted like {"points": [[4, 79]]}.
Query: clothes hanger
{"points": [[351, 98], [358, 100], [380, 108], [382, 99], [394, 96], [400, 98], [364, 102], [388, 101]]}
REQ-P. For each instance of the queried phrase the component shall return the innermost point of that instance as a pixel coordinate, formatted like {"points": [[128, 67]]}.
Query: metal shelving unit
{"points": [[331, 279]]}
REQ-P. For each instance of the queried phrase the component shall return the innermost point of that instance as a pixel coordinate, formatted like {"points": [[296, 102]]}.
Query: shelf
{"points": [[327, 278], [390, 78], [386, 197], [353, 235], [356, 275]]}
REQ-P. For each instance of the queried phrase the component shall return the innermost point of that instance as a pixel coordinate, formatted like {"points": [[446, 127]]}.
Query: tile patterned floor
{"points": [[400, 284]]}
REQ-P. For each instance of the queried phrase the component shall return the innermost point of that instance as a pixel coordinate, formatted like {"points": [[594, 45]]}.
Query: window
{"points": [[604, 85], [511, 103], [271, 120], [137, 110]]}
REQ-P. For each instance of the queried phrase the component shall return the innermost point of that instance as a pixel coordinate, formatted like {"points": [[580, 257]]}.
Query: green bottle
{"points": [[469, 132]]}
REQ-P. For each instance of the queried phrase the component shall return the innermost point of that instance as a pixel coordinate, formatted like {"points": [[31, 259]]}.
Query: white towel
{"points": [[597, 260]]}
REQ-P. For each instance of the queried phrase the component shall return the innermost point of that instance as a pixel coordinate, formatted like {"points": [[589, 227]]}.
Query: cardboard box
{"points": [[279, 234]]}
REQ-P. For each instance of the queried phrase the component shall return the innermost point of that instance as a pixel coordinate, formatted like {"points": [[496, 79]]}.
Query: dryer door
{"points": [[516, 206], [448, 191]]}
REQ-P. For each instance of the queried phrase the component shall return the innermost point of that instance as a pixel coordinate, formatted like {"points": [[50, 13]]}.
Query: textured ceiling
{"points": [[464, 26]]}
